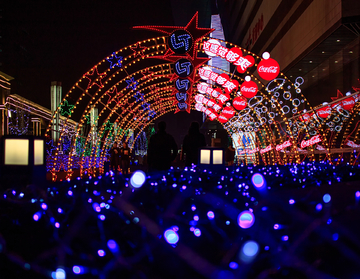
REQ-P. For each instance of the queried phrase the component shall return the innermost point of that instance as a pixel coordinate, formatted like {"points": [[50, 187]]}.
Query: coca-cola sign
{"points": [[248, 89], [268, 69], [283, 145], [228, 112], [222, 118], [239, 103], [348, 103], [352, 144], [266, 149], [324, 112], [312, 141]]}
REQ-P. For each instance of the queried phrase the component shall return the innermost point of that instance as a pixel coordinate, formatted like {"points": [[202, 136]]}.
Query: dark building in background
{"points": [[315, 39]]}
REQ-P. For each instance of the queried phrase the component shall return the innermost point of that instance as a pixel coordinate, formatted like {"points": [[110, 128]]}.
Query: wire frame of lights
{"points": [[113, 94], [130, 91]]}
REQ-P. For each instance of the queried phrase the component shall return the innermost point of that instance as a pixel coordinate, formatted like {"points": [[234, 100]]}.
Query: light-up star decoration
{"points": [[115, 61], [138, 50], [182, 52], [197, 33], [131, 83], [66, 108], [95, 78]]}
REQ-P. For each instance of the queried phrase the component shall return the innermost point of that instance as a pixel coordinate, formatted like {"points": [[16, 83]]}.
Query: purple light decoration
{"points": [[335, 236], [210, 215], [326, 198], [258, 181], [171, 237], [57, 225], [113, 246], [357, 195], [276, 226], [193, 207], [96, 207], [249, 251], [78, 269], [233, 265], [285, 238], [102, 217], [197, 232], [196, 218], [44, 206], [101, 253], [291, 201], [37, 216], [70, 193], [318, 207], [60, 210], [246, 219], [138, 179]]}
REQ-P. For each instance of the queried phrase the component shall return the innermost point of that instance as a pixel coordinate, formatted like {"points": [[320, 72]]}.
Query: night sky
{"points": [[44, 41]]}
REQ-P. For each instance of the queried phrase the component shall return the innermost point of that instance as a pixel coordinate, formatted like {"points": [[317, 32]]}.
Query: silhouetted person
{"points": [[162, 149], [125, 158], [114, 157], [191, 144]]}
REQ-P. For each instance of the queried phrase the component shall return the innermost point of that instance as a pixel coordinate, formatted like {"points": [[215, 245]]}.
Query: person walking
{"points": [[191, 144], [162, 149], [125, 158], [114, 157]]}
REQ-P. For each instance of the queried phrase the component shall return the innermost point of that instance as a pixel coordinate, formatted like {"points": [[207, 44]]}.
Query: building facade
{"points": [[315, 39]]}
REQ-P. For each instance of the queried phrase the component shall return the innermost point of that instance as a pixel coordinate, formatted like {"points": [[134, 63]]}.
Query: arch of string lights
{"points": [[132, 87]]}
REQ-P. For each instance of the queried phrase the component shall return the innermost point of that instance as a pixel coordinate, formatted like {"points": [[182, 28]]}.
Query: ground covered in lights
{"points": [[294, 221]]}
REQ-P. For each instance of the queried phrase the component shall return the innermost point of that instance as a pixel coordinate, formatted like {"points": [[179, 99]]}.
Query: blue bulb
{"points": [[250, 248], [171, 237], [211, 215], [138, 179], [318, 206], [326, 198], [101, 253], [78, 269], [197, 232]]}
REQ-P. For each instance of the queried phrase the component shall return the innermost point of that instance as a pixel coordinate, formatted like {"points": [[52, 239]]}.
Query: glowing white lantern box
{"points": [[211, 156], [22, 160]]}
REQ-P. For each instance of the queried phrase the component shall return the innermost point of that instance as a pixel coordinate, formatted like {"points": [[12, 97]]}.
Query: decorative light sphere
{"points": [[197, 232], [137, 179], [266, 55], [210, 215], [101, 253], [60, 273], [171, 237], [78, 269], [246, 219], [247, 78], [250, 248], [258, 181], [326, 198]]}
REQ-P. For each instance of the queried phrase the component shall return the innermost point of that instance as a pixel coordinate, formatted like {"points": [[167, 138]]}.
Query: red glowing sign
{"points": [[239, 103], [222, 118], [234, 55], [348, 103], [352, 144], [324, 112], [266, 149], [268, 69], [283, 145], [248, 89], [223, 79], [216, 93], [312, 141], [228, 112]]}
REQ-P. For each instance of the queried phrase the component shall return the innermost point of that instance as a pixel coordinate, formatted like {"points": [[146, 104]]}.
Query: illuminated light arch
{"points": [[131, 90]]}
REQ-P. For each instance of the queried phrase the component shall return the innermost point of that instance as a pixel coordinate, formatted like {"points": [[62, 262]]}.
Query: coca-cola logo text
{"points": [[312, 141], [283, 145], [271, 69]]}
